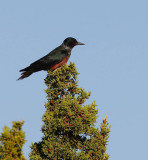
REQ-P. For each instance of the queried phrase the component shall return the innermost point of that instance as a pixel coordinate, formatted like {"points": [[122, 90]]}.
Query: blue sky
{"points": [[113, 64]]}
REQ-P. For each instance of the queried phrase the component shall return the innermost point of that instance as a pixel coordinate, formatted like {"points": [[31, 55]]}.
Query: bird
{"points": [[53, 60]]}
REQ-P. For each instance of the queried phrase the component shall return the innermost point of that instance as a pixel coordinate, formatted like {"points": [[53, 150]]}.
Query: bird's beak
{"points": [[79, 43]]}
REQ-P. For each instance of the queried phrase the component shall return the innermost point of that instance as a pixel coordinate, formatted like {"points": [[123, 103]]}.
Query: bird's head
{"points": [[71, 42]]}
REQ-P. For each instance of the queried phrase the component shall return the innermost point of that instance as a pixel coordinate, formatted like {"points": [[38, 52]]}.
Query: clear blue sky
{"points": [[113, 64]]}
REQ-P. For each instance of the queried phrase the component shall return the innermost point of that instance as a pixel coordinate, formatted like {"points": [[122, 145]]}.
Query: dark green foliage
{"points": [[69, 125], [11, 142]]}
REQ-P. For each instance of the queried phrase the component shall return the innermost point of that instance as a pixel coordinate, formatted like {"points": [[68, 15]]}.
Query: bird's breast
{"points": [[64, 61]]}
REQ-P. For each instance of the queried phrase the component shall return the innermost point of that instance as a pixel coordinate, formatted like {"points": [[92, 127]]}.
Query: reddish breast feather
{"points": [[64, 61]]}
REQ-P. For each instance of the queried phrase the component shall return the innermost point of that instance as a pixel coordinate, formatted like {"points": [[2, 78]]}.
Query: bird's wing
{"points": [[48, 61]]}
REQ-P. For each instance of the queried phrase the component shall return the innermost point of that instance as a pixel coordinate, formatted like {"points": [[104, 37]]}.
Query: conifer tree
{"points": [[69, 131], [11, 142]]}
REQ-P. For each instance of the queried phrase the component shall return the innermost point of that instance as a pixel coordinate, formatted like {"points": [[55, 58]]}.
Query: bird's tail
{"points": [[25, 75]]}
